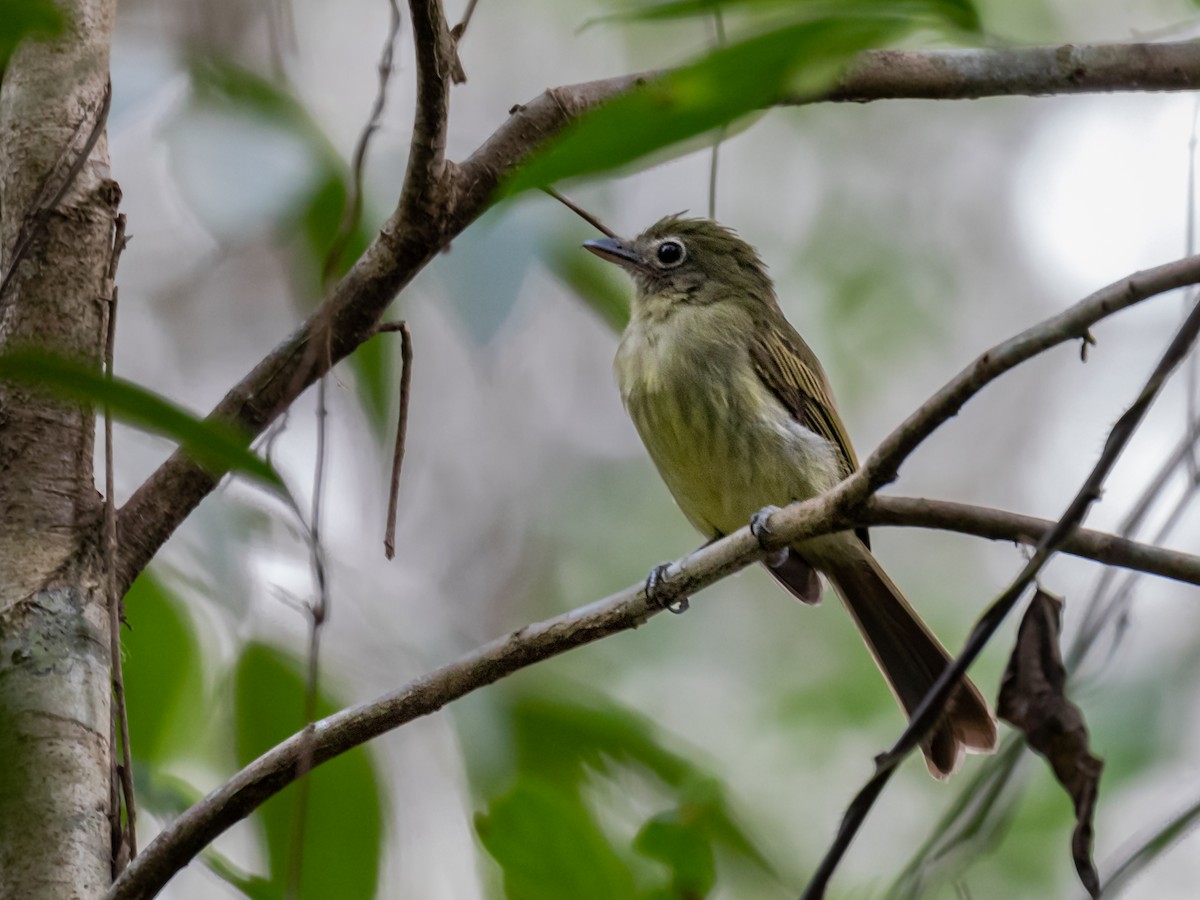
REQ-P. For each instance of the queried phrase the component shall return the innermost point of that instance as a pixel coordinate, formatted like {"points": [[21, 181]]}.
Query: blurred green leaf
{"points": [[678, 840], [223, 82], [344, 826], [957, 13], [163, 669], [33, 19], [550, 847], [600, 286], [560, 738], [314, 224], [724, 85], [217, 446]]}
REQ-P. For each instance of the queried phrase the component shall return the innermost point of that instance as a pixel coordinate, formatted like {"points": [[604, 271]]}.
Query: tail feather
{"points": [[910, 657]]}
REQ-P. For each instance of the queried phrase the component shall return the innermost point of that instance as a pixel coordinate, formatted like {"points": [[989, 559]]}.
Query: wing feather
{"points": [[791, 371]]}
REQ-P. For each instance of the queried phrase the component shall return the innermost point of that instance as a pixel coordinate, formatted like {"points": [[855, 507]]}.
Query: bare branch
{"points": [[1020, 71], [352, 214], [1000, 525]]}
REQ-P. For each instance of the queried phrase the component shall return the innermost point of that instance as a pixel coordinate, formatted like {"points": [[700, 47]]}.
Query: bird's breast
{"points": [[723, 443]]}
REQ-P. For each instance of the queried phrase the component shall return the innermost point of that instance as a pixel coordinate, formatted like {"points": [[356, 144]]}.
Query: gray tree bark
{"points": [[57, 211]]}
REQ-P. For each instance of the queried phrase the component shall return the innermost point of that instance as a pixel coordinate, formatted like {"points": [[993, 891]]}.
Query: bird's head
{"points": [[693, 261]]}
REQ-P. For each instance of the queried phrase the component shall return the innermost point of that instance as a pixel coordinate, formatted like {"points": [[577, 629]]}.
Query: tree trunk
{"points": [[57, 210]]}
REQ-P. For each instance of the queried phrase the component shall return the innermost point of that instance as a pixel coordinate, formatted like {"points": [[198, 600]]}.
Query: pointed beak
{"points": [[613, 250]]}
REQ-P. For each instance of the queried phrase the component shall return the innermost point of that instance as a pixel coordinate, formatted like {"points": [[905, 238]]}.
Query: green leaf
{"points": [[344, 825], [678, 840], [164, 678], [601, 287], [222, 82], [723, 86], [560, 738], [320, 222], [550, 847], [960, 14], [33, 19], [217, 446]]}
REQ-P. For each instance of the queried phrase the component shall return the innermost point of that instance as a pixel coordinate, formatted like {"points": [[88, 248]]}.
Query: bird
{"points": [[739, 418]]}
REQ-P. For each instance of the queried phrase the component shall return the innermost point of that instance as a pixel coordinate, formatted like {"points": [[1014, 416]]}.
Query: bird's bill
{"points": [[613, 250]]}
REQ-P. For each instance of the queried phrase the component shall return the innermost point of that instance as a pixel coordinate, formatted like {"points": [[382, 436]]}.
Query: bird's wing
{"points": [[792, 372]]}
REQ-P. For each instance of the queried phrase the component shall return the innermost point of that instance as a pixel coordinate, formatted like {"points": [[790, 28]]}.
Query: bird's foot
{"points": [[662, 595], [760, 527]]}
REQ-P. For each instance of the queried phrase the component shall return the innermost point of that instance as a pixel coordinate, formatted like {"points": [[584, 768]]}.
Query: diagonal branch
{"points": [[439, 200]]}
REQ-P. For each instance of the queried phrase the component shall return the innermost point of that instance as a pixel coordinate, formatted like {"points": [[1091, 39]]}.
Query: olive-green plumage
{"points": [[737, 414]]}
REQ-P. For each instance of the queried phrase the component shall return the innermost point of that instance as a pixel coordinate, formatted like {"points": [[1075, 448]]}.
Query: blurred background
{"points": [[710, 754]]}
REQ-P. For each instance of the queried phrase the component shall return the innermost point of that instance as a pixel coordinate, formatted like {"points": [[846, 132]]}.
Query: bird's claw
{"points": [[660, 595], [760, 527]]}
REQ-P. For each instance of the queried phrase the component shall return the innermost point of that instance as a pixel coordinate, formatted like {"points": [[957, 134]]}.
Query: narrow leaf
{"points": [[723, 86], [956, 13], [217, 446], [1032, 698]]}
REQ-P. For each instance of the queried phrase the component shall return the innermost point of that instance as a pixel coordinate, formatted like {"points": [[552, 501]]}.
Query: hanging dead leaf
{"points": [[1032, 698]]}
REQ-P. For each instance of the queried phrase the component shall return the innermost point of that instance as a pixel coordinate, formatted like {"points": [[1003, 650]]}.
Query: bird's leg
{"points": [[661, 595], [760, 527]]}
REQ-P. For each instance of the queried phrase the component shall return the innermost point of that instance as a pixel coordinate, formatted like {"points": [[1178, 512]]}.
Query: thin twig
{"points": [[319, 611], [1096, 613], [352, 213], [461, 28], [113, 598], [1117, 609], [581, 212], [389, 537], [1190, 296], [719, 25], [931, 707], [1151, 847]]}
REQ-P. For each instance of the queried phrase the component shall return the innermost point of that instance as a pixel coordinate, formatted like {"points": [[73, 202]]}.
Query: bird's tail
{"points": [[909, 656]]}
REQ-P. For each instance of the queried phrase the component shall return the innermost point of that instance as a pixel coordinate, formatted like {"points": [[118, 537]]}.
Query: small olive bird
{"points": [[738, 416]]}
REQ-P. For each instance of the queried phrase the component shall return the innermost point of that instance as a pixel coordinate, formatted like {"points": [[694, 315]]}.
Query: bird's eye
{"points": [[670, 253]]}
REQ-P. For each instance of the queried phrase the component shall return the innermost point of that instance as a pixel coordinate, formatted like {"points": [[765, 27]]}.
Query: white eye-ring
{"points": [[670, 253]]}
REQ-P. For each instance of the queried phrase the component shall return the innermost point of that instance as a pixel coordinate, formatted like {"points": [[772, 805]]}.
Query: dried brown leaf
{"points": [[1032, 698]]}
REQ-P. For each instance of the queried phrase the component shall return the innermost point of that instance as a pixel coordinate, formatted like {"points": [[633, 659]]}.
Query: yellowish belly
{"points": [[725, 446]]}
